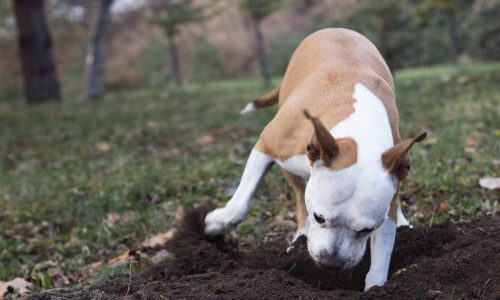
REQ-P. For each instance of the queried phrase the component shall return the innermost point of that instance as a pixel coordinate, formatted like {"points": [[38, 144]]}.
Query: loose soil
{"points": [[453, 260]]}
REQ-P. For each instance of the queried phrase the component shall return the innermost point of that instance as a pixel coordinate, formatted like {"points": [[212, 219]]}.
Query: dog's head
{"points": [[348, 201]]}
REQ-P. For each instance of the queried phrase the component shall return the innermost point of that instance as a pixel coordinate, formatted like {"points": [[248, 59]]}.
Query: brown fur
{"points": [[321, 78], [268, 99], [323, 145], [396, 159], [393, 210], [299, 187]]}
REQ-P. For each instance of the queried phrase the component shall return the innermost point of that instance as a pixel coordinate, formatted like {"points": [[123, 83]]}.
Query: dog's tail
{"points": [[268, 99]]}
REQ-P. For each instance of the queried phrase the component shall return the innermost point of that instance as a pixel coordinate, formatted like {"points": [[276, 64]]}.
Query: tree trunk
{"points": [[95, 61], [39, 72], [454, 40], [174, 60], [261, 53]]}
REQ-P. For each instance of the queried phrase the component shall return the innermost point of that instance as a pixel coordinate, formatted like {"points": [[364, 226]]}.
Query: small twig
{"points": [[484, 287], [486, 283], [102, 293], [291, 268], [129, 276], [432, 217], [200, 276]]}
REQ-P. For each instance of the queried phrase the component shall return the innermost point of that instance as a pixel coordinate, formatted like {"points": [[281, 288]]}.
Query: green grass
{"points": [[58, 180]]}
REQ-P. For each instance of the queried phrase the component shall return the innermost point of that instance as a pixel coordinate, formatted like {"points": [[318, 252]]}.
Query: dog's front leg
{"points": [[381, 244], [237, 208]]}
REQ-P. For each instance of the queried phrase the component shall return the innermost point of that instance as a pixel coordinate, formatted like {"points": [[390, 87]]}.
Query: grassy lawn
{"points": [[84, 182]]}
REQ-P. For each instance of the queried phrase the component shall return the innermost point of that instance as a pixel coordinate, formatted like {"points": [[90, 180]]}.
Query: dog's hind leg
{"points": [[396, 213], [401, 219], [299, 187], [237, 208]]}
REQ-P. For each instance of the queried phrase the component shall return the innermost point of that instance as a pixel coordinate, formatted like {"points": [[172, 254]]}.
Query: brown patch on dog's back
{"points": [[321, 78]]}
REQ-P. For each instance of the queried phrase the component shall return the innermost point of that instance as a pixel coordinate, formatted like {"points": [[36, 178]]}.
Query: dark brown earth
{"points": [[454, 260]]}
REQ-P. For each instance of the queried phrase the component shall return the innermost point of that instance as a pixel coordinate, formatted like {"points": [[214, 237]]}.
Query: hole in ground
{"points": [[458, 260]]}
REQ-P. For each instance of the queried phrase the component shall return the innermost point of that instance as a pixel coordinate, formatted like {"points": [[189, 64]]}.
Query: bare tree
{"points": [[170, 15], [261, 50], [95, 61], [39, 72], [258, 10]]}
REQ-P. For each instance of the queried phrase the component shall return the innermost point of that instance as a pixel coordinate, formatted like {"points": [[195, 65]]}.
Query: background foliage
{"points": [[409, 33]]}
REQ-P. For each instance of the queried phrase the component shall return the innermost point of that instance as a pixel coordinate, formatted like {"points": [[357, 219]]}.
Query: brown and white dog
{"points": [[336, 138]]}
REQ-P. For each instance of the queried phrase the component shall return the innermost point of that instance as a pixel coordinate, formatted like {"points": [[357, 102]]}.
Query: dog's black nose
{"points": [[330, 261]]}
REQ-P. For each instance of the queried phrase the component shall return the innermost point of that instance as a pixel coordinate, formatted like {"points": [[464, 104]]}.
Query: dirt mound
{"points": [[457, 260]]}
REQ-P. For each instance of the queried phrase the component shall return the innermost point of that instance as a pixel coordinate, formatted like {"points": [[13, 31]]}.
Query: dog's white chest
{"points": [[297, 164]]}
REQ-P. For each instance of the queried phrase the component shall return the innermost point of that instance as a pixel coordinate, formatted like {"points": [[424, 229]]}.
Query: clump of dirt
{"points": [[458, 260]]}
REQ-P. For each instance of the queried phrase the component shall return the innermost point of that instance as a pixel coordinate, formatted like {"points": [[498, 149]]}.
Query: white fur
{"points": [[297, 164], [369, 126], [248, 108], [356, 197], [237, 208], [402, 221], [381, 244]]}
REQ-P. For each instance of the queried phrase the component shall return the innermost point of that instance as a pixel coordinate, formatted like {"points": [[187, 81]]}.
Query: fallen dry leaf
{"points": [[445, 78], [443, 207], [205, 140], [430, 141], [473, 139], [398, 272], [160, 256], [16, 286], [490, 183], [153, 124], [463, 79], [102, 147], [175, 151], [89, 270], [51, 268], [111, 219], [58, 277], [159, 239], [125, 258], [179, 213], [471, 150]]}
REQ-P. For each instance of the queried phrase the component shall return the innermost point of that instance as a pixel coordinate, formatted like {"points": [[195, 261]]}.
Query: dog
{"points": [[335, 137]]}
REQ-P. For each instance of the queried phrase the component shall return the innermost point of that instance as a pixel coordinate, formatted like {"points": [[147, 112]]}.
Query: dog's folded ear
{"points": [[323, 145], [396, 159]]}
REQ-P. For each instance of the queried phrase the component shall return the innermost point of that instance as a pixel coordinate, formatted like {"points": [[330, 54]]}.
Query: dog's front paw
{"points": [[215, 223], [374, 279]]}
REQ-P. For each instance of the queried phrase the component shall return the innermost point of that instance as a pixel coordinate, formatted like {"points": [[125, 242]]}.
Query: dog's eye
{"points": [[364, 231], [319, 219]]}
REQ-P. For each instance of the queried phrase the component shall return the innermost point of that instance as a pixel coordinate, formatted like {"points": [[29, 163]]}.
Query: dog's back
{"points": [[321, 78]]}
